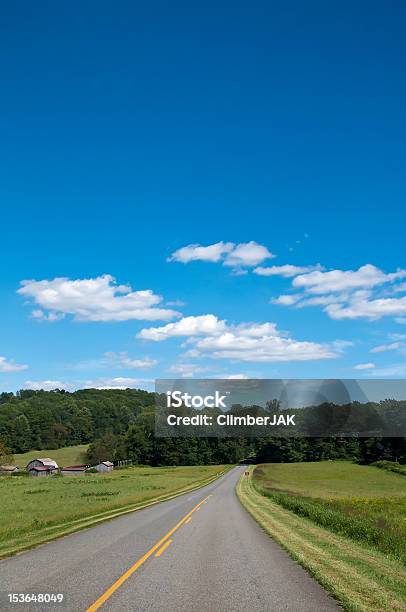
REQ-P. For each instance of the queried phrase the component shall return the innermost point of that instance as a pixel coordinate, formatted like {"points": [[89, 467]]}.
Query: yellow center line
{"points": [[188, 521], [163, 548], [117, 584]]}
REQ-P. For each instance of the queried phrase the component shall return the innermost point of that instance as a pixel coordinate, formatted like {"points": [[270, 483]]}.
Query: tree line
{"points": [[120, 425]]}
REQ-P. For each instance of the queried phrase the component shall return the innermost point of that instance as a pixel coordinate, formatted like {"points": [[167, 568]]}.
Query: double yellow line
{"points": [[103, 598]]}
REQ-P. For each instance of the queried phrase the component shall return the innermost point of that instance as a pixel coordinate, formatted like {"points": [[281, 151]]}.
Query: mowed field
{"points": [[70, 455], [344, 523], [34, 510], [362, 502]]}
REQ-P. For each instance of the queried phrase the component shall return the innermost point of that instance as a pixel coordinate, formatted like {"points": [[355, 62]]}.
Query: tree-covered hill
{"points": [[52, 419]]}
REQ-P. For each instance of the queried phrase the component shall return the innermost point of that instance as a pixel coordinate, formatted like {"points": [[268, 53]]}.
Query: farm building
{"points": [[74, 470], [104, 466], [8, 469], [46, 462], [41, 470]]}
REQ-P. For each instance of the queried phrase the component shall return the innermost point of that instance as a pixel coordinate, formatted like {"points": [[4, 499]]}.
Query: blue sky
{"points": [[130, 132]]}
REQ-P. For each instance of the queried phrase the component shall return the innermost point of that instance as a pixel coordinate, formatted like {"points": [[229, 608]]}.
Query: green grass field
{"points": [[70, 455], [330, 479], [345, 523], [364, 503], [34, 510]]}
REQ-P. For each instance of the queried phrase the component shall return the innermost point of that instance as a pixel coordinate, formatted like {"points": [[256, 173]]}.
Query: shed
{"points": [[42, 462], [104, 466], [41, 470], [8, 469], [74, 470]]}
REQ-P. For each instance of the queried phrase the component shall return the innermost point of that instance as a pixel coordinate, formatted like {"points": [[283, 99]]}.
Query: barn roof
{"points": [[75, 467], [107, 463], [44, 461], [8, 468]]}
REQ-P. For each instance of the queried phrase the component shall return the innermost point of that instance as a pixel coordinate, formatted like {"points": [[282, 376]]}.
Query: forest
{"points": [[120, 425]]}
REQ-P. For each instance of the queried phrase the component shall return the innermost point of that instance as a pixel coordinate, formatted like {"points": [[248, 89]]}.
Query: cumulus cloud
{"points": [[348, 294], [286, 300], [365, 366], [93, 299], [196, 252], [11, 366], [246, 254], [365, 277], [373, 309], [187, 326], [255, 342], [287, 270]]}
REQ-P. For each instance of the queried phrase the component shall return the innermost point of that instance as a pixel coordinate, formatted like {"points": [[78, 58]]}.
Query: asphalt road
{"points": [[200, 552]]}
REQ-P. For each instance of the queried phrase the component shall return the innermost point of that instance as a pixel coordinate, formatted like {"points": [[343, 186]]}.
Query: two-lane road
{"points": [[198, 552]]}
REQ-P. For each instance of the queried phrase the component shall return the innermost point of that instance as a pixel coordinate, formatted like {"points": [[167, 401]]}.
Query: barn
{"points": [[8, 469], [104, 466], [74, 470], [43, 462], [41, 470]]}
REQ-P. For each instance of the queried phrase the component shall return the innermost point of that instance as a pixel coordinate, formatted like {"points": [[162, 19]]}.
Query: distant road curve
{"points": [[199, 552]]}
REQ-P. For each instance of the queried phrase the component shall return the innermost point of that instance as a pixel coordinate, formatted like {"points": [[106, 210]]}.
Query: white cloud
{"points": [[93, 299], [265, 348], [116, 383], [348, 294], [392, 346], [365, 277], [40, 315], [245, 254], [365, 366], [10, 366], [286, 300], [187, 326], [286, 270], [196, 252], [320, 300], [359, 307], [48, 385], [255, 342]]}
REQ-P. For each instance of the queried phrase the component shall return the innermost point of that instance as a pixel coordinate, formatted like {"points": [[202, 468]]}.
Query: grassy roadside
{"points": [[360, 578], [35, 511], [359, 502]]}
